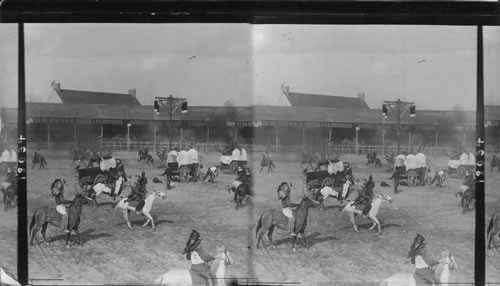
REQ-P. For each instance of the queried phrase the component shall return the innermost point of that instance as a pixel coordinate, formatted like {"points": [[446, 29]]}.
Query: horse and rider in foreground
{"points": [[205, 269], [374, 206], [291, 218], [147, 204], [45, 215], [427, 270]]}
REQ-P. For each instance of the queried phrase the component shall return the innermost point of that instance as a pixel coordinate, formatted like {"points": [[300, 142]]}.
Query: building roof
{"points": [[69, 96], [306, 99], [272, 115]]}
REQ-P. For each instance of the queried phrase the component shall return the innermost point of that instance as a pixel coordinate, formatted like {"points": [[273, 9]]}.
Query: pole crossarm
{"points": [[398, 108], [171, 104]]}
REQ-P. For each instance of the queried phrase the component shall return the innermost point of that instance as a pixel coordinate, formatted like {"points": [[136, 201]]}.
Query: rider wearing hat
{"points": [[199, 257], [424, 264], [139, 191], [57, 190], [365, 196], [288, 208]]}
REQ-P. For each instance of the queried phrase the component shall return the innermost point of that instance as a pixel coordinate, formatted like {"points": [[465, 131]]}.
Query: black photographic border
{"points": [[473, 13]]}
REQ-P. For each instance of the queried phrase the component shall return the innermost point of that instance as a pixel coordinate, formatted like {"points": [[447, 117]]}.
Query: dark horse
{"points": [[9, 194], [275, 217], [45, 215], [467, 198], [266, 162], [144, 155], [240, 193], [38, 159]]}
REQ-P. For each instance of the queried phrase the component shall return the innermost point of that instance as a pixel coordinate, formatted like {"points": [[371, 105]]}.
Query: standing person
{"points": [[193, 162], [421, 167], [199, 257], [57, 191], [172, 164], [423, 262]]}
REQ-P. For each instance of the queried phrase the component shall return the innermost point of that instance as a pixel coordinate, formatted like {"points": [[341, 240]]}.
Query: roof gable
{"points": [[69, 96], [306, 99]]}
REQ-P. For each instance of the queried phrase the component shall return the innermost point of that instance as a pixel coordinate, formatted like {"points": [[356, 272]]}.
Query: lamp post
{"points": [[357, 138], [398, 108], [128, 135], [170, 104]]}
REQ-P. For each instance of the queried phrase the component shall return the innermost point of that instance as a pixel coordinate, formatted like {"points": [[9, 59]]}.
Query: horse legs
{"points": [[353, 221], [149, 218], [125, 216], [34, 231], [44, 230], [376, 222], [293, 243], [260, 234], [77, 237], [270, 235], [304, 238]]}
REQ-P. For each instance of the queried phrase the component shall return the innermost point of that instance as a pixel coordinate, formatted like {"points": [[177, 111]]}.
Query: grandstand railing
{"points": [[334, 148]]}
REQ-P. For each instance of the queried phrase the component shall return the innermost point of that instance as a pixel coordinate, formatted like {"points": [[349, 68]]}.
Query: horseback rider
{"points": [[11, 177], [288, 207], [365, 196], [199, 257], [139, 191], [424, 264], [57, 191]]}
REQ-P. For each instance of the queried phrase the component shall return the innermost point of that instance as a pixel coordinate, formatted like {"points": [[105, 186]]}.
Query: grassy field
{"points": [[112, 254]]}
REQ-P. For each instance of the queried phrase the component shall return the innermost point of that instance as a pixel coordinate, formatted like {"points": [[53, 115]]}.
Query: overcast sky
{"points": [[435, 66]]}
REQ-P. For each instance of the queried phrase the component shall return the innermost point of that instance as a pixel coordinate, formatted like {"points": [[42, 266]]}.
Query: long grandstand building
{"points": [[83, 118]]}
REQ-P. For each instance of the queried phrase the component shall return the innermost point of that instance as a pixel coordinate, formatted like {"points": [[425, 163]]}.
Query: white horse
{"points": [[6, 278], [148, 205], [182, 277], [372, 214], [446, 265]]}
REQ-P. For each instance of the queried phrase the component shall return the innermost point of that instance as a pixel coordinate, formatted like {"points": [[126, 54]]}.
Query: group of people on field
{"points": [[186, 155]]}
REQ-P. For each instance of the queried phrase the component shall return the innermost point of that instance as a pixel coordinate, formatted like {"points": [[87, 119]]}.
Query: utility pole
{"points": [[398, 108], [170, 104]]}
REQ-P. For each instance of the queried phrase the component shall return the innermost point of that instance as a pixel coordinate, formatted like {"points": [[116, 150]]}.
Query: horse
{"points": [[45, 215], [468, 198], [370, 157], [9, 192], [38, 159], [148, 205], [275, 218], [446, 265], [266, 162], [372, 214], [183, 277], [493, 231], [6, 278], [241, 192]]}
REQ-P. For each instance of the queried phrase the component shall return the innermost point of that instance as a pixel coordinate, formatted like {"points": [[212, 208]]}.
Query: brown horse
{"points": [[275, 218], [45, 215]]}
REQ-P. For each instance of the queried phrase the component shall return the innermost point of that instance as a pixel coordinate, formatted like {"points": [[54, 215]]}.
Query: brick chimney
{"points": [[361, 95], [57, 87], [132, 92]]}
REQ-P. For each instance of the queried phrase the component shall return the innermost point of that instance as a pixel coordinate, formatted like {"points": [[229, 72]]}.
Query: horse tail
{"points": [[259, 225], [33, 221], [490, 226]]}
